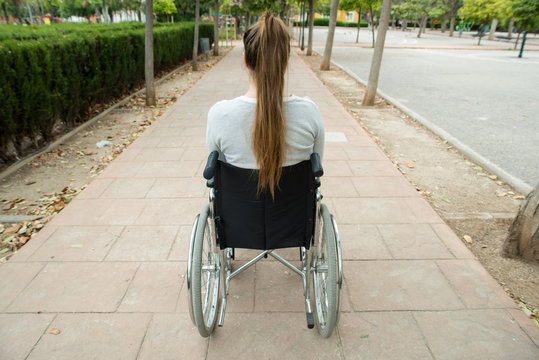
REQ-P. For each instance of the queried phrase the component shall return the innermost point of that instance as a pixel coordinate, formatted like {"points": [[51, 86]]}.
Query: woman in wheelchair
{"points": [[263, 173]]}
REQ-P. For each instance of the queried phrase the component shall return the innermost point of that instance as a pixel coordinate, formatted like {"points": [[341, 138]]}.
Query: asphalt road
{"points": [[487, 99]]}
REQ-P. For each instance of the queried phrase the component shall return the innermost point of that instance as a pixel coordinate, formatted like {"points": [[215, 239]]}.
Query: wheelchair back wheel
{"points": [[324, 265], [205, 278]]}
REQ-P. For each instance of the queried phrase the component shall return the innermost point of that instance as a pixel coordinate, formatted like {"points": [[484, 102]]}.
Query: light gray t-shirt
{"points": [[230, 123]]}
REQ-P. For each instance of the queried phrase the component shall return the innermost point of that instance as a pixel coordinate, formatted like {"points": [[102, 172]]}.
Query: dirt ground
{"points": [[40, 189], [474, 203]]}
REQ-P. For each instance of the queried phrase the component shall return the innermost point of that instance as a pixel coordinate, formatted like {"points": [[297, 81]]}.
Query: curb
{"points": [[515, 182]]}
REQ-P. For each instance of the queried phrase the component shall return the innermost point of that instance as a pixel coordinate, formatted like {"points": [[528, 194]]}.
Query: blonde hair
{"points": [[267, 50]]}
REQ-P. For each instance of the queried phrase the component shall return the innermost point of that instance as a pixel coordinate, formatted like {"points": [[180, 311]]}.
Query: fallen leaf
{"points": [[13, 229], [76, 246], [481, 174], [364, 336], [493, 177], [478, 168], [23, 239], [5, 250], [410, 165], [30, 182], [499, 183], [468, 239], [54, 331], [6, 186], [501, 194], [445, 199], [518, 197]]}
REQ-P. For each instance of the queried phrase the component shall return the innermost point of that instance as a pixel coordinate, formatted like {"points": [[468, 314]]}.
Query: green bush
{"points": [[47, 77]]}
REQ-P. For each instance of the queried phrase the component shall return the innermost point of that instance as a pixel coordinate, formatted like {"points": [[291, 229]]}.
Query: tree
{"points": [[354, 5], [311, 28], [374, 72], [454, 6], [526, 13], [216, 28], [331, 34], [195, 40], [523, 239], [164, 7], [480, 11], [148, 55]]}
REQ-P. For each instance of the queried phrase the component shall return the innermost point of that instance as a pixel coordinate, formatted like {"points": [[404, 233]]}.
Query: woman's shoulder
{"points": [[225, 105], [301, 100]]}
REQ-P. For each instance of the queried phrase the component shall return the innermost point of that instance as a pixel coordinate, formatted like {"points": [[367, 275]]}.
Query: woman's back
{"points": [[230, 125]]}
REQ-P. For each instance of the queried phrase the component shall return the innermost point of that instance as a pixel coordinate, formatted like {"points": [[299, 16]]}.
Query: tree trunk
{"points": [[422, 24], [452, 25], [358, 24], [518, 37], [5, 12], [111, 16], [511, 26], [195, 40], [523, 239], [493, 29], [404, 24], [372, 85], [331, 34], [216, 28], [372, 27], [393, 23], [16, 5], [148, 55], [444, 23], [311, 28]]}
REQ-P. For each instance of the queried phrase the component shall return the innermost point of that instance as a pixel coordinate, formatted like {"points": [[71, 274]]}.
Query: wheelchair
{"points": [[239, 217]]}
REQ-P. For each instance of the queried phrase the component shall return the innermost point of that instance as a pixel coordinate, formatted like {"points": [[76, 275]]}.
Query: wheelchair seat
{"points": [[249, 220]]}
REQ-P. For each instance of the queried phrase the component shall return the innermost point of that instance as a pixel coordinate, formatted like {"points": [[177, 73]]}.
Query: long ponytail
{"points": [[267, 50]]}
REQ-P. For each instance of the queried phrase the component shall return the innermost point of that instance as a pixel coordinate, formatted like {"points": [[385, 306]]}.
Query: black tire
{"points": [[205, 282], [325, 275]]}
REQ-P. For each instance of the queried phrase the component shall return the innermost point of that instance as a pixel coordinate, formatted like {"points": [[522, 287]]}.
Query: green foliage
{"points": [[480, 11], [325, 22], [166, 7], [526, 13], [43, 79]]}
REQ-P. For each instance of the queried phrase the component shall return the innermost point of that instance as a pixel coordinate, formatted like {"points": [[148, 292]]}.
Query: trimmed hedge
{"points": [[325, 22], [53, 78]]}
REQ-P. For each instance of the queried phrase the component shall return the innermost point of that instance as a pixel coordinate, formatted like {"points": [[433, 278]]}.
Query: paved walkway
{"points": [[109, 270]]}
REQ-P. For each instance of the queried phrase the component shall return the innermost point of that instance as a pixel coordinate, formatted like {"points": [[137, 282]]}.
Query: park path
{"points": [[109, 271]]}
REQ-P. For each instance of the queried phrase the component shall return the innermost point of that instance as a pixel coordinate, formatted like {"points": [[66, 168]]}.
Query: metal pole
{"points": [[523, 42]]}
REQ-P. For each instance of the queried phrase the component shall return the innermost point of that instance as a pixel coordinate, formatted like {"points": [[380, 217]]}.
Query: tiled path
{"points": [[109, 270]]}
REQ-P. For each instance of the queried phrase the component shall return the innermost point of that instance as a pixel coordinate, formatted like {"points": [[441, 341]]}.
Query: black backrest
{"points": [[247, 220]]}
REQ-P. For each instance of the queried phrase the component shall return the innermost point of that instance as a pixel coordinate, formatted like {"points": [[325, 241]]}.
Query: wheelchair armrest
{"points": [[316, 165], [210, 183], [209, 170]]}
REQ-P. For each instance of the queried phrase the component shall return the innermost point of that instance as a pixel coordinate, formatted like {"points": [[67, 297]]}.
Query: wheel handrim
{"points": [[209, 278]]}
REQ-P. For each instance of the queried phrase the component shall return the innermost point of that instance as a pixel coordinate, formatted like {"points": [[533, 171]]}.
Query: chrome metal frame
{"points": [[305, 271]]}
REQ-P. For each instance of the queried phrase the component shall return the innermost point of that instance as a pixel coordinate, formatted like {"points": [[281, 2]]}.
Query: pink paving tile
{"points": [[373, 168], [241, 297], [20, 332], [526, 324], [413, 241], [159, 154], [143, 243], [421, 209], [76, 287], [128, 189], [270, 336], [336, 168], [278, 288], [14, 278], [338, 187], [171, 141], [155, 288], [453, 243], [171, 211], [374, 211], [95, 189], [35, 242], [196, 153], [395, 186], [361, 242], [145, 142], [78, 243], [382, 335], [121, 169], [371, 153], [165, 169], [82, 212], [177, 188], [399, 285], [172, 336], [180, 247], [93, 336], [474, 284], [475, 334], [122, 212]]}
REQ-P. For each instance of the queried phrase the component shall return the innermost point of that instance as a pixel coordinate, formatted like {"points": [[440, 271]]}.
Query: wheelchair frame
{"points": [[209, 271]]}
